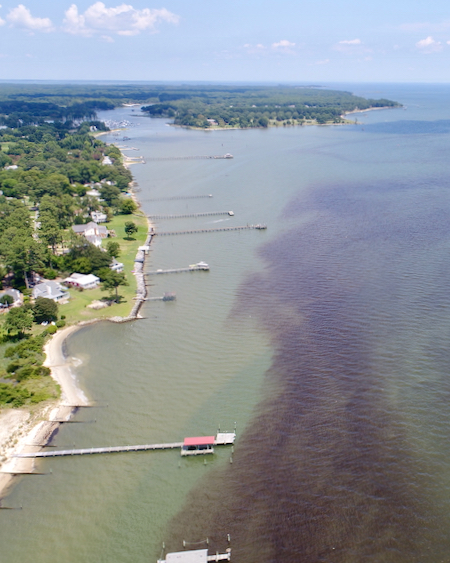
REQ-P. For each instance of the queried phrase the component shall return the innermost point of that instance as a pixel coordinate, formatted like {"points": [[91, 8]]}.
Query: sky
{"points": [[289, 41]]}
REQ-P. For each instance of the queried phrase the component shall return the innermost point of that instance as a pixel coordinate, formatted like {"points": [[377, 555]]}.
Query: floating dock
{"points": [[196, 445], [215, 230]]}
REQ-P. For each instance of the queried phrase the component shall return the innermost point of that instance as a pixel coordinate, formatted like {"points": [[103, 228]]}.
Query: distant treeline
{"points": [[17, 113], [189, 105], [258, 106]]}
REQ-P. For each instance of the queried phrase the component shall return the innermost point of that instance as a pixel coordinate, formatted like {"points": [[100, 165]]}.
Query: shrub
{"points": [[60, 323], [25, 373], [51, 329]]}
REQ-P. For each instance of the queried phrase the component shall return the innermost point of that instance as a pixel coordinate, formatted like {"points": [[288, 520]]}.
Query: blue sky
{"points": [[246, 41]]}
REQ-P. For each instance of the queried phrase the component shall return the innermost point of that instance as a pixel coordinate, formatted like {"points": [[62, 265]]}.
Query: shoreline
{"points": [[23, 429], [39, 427]]}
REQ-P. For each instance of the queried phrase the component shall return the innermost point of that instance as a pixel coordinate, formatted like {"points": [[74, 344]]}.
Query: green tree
{"points": [[113, 248], [130, 229], [45, 310], [18, 321], [7, 300], [127, 206], [112, 281]]}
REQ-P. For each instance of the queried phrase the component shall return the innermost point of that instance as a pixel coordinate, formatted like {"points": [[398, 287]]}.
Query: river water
{"points": [[324, 339]]}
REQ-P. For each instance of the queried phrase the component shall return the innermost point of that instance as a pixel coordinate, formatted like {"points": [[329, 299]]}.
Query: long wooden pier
{"points": [[222, 439], [215, 230], [193, 268], [108, 450], [194, 157], [186, 215]]}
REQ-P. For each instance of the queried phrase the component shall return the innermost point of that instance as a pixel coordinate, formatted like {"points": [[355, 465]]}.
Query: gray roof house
{"points": [[50, 290], [15, 294], [93, 232]]}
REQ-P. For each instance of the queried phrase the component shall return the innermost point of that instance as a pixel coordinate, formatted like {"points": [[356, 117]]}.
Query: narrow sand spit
{"points": [[21, 432]]}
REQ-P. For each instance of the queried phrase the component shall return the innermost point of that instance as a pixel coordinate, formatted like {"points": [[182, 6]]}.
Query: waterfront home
{"points": [[92, 232], [99, 217], [116, 266], [93, 193], [50, 290], [82, 281], [16, 296]]}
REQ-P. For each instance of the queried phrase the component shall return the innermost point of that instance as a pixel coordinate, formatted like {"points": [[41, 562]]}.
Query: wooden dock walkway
{"points": [[108, 450], [214, 230], [179, 270], [222, 439], [194, 157], [187, 215]]}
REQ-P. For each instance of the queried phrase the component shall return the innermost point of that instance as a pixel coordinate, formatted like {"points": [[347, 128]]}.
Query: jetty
{"points": [[190, 446], [199, 267], [194, 157], [186, 215], [214, 230]]}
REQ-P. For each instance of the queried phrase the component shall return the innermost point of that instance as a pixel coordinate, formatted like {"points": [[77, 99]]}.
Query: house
{"points": [[82, 281], [106, 161], [50, 290], [92, 232], [94, 193], [116, 266], [16, 296], [99, 217]]}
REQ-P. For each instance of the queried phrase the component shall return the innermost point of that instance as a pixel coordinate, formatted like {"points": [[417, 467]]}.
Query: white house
{"points": [[116, 266], [50, 290], [93, 232], [99, 217], [94, 193], [83, 281]]}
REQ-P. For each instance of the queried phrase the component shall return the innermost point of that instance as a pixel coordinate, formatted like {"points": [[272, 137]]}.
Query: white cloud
{"points": [[350, 42], [283, 44], [21, 17], [257, 49], [429, 45], [322, 62], [2, 22], [121, 20]]}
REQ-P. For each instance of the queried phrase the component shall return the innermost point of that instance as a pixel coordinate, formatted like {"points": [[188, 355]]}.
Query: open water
{"points": [[324, 338]]}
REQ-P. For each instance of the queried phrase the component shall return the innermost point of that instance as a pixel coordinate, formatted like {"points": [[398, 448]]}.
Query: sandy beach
{"points": [[22, 432]]}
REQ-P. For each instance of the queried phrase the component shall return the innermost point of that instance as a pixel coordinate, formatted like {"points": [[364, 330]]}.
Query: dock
{"points": [[222, 439], [214, 230], [200, 267], [194, 157], [187, 215], [195, 556]]}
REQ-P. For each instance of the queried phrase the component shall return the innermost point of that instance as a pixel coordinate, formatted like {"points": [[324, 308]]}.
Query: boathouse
{"points": [[198, 445]]}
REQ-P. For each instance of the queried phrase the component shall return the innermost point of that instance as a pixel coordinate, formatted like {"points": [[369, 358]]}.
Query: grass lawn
{"points": [[76, 310]]}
